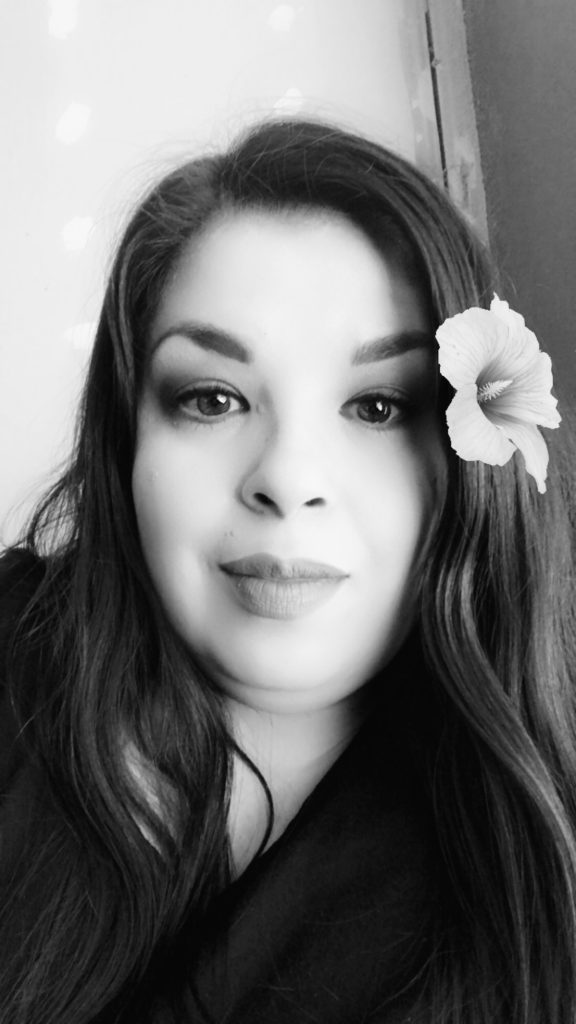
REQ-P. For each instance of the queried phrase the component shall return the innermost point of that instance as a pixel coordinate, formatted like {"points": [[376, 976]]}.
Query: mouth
{"points": [[282, 589], [268, 567]]}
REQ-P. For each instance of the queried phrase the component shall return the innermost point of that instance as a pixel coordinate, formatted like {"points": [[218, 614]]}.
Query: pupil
{"points": [[213, 404], [374, 410]]}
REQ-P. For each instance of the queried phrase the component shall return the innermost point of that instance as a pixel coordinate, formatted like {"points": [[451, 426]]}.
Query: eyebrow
{"points": [[390, 345], [214, 339]]}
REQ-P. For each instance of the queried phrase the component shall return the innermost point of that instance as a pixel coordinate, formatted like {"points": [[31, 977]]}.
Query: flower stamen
{"points": [[491, 390]]}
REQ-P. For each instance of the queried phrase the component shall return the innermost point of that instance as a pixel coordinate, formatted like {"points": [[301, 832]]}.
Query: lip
{"points": [[268, 567], [273, 588]]}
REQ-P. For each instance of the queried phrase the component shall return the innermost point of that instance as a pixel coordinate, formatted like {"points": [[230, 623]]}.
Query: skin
{"points": [[300, 463]]}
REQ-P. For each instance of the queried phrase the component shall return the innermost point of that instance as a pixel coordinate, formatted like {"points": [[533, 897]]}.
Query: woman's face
{"points": [[289, 461]]}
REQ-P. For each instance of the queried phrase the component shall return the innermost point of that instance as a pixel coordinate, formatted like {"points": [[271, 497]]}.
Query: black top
{"points": [[332, 924], [333, 920]]}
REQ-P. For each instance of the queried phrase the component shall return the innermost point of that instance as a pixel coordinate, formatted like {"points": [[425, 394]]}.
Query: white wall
{"points": [[97, 97]]}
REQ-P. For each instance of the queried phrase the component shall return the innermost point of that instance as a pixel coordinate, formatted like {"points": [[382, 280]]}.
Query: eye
{"points": [[208, 402], [378, 409]]}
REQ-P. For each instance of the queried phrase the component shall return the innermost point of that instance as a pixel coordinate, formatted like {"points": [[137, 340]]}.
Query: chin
{"points": [[300, 684]]}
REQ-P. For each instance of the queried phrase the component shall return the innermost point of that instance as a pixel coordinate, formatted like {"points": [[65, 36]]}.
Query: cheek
{"points": [[178, 496], [406, 495]]}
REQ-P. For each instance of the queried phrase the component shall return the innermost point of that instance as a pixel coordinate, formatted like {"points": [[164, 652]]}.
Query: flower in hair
{"points": [[503, 388]]}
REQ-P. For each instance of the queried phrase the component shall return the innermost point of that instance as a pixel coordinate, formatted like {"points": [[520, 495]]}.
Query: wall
{"points": [[523, 65], [97, 97]]}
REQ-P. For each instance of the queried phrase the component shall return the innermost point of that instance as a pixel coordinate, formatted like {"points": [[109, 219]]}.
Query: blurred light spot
{"points": [[81, 336], [291, 102], [76, 232], [282, 18], [73, 123], [63, 18]]}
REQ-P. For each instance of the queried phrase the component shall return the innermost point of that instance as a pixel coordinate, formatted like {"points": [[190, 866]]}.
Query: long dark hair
{"points": [[96, 672]]}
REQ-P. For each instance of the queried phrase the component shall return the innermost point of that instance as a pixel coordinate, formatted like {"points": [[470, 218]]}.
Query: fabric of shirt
{"points": [[333, 923]]}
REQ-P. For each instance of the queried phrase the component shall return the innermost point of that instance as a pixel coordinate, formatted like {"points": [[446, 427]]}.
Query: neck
{"points": [[293, 751]]}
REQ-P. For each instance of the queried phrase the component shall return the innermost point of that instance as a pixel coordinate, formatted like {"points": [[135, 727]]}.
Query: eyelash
{"points": [[181, 400]]}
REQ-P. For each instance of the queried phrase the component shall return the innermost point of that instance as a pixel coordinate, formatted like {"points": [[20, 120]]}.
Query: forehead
{"points": [[289, 275]]}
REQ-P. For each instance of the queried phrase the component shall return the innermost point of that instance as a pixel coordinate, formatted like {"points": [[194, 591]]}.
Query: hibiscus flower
{"points": [[503, 388]]}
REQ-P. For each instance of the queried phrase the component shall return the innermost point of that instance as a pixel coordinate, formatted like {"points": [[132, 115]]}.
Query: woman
{"points": [[289, 683]]}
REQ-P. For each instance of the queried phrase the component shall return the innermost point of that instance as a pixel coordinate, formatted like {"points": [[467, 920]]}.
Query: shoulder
{"points": [[21, 572], [19, 566]]}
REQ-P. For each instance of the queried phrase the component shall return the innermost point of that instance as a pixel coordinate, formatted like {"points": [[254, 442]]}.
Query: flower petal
{"points": [[467, 342], [529, 408], [528, 439], [473, 435], [515, 321], [522, 341], [529, 398]]}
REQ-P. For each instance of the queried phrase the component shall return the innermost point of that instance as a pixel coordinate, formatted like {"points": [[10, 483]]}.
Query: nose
{"points": [[285, 477]]}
